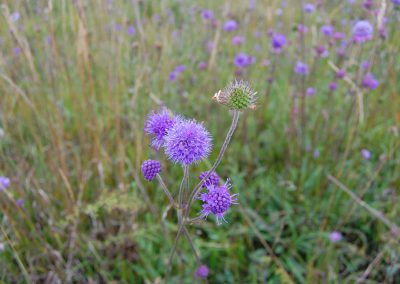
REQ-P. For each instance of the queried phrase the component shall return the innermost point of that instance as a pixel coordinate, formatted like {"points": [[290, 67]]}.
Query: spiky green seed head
{"points": [[237, 95]]}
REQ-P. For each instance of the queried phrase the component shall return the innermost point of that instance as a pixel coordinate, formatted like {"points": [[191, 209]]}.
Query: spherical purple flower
{"points": [[335, 236], [333, 86], [365, 64], [157, 125], [321, 51], [180, 68], [237, 40], [366, 154], [369, 82], [338, 36], [327, 30], [213, 179], [202, 65], [362, 31], [20, 202], [131, 30], [150, 168], [309, 8], [4, 183], [340, 74], [172, 76], [301, 68], [368, 4], [302, 29], [207, 14], [243, 60], [396, 2], [202, 272], [217, 201], [310, 92], [187, 142], [278, 42], [230, 26], [316, 153]]}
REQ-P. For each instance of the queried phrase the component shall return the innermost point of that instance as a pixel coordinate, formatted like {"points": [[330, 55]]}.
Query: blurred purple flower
{"points": [[180, 68], [17, 51], [173, 76], [4, 183], [368, 4], [335, 236], [14, 17], [309, 8], [366, 154], [340, 74], [202, 272], [243, 60], [278, 42], [369, 82], [202, 65], [338, 36], [365, 64], [302, 29], [396, 2], [362, 31], [333, 86], [207, 14], [131, 30], [230, 25], [301, 68], [316, 153], [327, 30], [321, 51], [237, 40], [20, 202], [310, 92]]}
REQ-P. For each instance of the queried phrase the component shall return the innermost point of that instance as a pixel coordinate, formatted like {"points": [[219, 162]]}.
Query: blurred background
{"points": [[316, 164]]}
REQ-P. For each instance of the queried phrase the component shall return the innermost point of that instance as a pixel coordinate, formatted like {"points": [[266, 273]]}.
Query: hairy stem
{"points": [[166, 191]]}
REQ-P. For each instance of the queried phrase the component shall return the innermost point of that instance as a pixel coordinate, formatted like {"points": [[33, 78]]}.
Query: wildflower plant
{"points": [[187, 142]]}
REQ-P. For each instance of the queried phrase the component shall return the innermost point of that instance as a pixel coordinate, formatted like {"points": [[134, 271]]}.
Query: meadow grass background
{"points": [[76, 85]]}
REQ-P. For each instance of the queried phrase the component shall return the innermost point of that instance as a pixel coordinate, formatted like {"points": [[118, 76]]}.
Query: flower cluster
{"points": [[217, 200], [4, 183]]}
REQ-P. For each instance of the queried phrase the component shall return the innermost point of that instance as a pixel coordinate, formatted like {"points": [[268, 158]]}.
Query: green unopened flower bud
{"points": [[237, 95]]}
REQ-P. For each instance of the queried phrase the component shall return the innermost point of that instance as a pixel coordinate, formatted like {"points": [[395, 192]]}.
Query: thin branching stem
{"points": [[165, 189]]}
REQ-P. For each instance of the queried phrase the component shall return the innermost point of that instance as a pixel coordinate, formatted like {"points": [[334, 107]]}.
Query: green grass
{"points": [[73, 111]]}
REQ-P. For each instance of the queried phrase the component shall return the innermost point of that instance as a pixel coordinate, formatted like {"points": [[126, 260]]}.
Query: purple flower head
{"points": [[4, 183], [368, 4], [366, 154], [237, 40], [207, 14], [213, 179], [180, 68], [302, 29], [396, 2], [187, 142], [338, 36], [333, 86], [362, 31], [335, 236], [321, 51], [157, 125], [369, 82], [202, 65], [131, 31], [19, 202], [278, 42], [230, 26], [327, 30], [217, 201], [301, 68], [202, 272], [309, 8], [150, 168], [243, 60], [340, 74], [172, 76], [316, 153], [365, 64], [15, 16], [310, 92]]}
